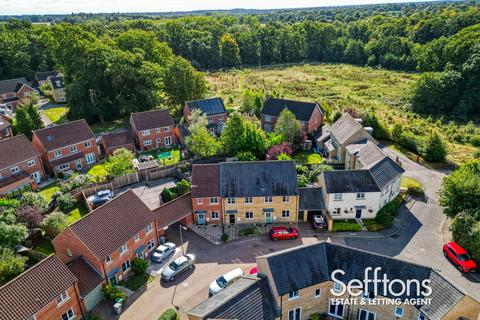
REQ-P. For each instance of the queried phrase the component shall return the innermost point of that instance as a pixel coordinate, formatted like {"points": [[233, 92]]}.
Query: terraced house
{"points": [[69, 146], [245, 192], [21, 167], [46, 291], [153, 129]]}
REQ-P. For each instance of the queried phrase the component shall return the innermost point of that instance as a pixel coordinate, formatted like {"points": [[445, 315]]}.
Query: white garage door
{"points": [[93, 298]]}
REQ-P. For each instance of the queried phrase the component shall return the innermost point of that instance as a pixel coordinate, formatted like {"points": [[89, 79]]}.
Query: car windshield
{"points": [[161, 249], [464, 257], [289, 230], [174, 266], [221, 282]]}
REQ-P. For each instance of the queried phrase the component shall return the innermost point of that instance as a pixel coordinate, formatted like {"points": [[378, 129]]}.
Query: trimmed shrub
{"points": [[224, 237], [168, 194], [139, 266], [248, 231], [54, 223], [66, 202], [388, 212], [32, 199], [169, 314], [345, 225], [111, 293]]}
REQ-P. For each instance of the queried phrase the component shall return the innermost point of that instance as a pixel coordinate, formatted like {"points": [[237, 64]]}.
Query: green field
{"points": [[57, 114], [338, 86]]}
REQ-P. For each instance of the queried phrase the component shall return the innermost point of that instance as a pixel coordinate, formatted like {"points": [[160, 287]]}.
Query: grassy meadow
{"points": [[339, 86]]}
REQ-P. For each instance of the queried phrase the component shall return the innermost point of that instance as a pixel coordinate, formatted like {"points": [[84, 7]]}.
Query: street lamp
{"points": [[180, 227]]}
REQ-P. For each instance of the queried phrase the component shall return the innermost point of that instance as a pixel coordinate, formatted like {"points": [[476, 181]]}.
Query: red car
{"points": [[459, 257], [283, 233]]}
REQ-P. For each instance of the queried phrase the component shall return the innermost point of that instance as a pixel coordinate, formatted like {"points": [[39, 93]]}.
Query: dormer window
{"points": [[57, 153], [73, 149]]}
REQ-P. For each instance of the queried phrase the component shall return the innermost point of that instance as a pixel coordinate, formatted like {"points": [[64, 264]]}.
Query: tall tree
{"points": [[202, 144], [288, 127], [11, 265], [229, 51]]}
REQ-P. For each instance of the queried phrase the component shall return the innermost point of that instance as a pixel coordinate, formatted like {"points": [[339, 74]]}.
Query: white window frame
{"points": [[318, 293], [148, 228], [335, 315], [127, 264], [15, 169], [268, 199], [285, 213], [248, 200], [360, 195], [136, 237], [123, 249], [267, 118], [248, 215], [150, 245], [145, 133], [213, 200], [63, 166], [166, 129], [295, 313], [62, 298], [70, 314], [401, 313], [199, 200], [31, 162], [337, 287], [285, 199], [57, 153], [147, 143], [69, 252], [87, 144], [108, 260], [90, 158], [215, 215], [337, 196], [168, 141], [293, 295], [231, 200], [73, 149], [368, 313], [337, 211]]}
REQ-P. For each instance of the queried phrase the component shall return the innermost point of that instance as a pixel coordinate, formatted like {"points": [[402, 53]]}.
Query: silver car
{"points": [[178, 266], [162, 252]]}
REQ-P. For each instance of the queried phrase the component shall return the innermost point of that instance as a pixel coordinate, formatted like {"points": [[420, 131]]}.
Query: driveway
{"points": [[150, 192]]}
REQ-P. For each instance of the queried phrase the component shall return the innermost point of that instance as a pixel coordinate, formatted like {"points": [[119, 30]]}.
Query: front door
{"points": [[268, 217], [159, 142], [231, 218], [113, 280], [79, 164], [201, 218], [358, 213], [37, 177]]}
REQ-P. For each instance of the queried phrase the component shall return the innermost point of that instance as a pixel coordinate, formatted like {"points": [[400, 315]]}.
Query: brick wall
{"points": [[316, 120], [157, 137], [221, 117], [208, 208], [55, 311], [257, 206], [23, 166]]}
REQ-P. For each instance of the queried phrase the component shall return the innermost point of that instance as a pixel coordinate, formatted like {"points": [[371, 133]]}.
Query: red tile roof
{"points": [[205, 180], [152, 119], [88, 277], [173, 211], [106, 228], [65, 134], [117, 139], [34, 289], [15, 150]]}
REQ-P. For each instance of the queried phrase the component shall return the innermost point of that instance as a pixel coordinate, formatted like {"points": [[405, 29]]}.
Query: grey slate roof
{"points": [[209, 106], [367, 153], [10, 85], [302, 110], [310, 199], [44, 75], [246, 299], [349, 181], [57, 82], [304, 266], [345, 127], [385, 171], [258, 178]]}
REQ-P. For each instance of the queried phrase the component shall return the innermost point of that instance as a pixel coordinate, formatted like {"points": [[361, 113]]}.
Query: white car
{"points": [[223, 281], [162, 252], [319, 222], [178, 266]]}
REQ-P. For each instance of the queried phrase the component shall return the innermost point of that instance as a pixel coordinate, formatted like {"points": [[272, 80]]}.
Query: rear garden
{"points": [[56, 114], [164, 156]]}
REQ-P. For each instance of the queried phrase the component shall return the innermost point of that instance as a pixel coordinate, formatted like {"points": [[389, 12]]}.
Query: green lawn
{"points": [[135, 281], [175, 155], [345, 225], [56, 114], [77, 213], [44, 246], [413, 186], [98, 172], [307, 157], [49, 190], [109, 125]]}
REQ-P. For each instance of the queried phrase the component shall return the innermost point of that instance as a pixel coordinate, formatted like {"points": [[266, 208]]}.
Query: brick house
{"points": [[297, 282], [115, 140], [69, 146], [310, 114], [58, 89], [153, 129], [21, 167], [248, 192], [213, 108], [177, 210], [15, 91], [46, 291], [206, 200], [5, 129], [110, 237]]}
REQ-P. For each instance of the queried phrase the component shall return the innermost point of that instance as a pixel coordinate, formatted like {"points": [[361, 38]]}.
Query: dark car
{"points": [[102, 197], [319, 222], [283, 233], [459, 257]]}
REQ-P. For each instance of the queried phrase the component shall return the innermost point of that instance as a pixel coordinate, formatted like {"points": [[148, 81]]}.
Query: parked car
{"points": [[459, 257], [3, 109], [162, 252], [319, 222], [223, 281], [178, 266], [283, 233], [101, 197], [253, 270]]}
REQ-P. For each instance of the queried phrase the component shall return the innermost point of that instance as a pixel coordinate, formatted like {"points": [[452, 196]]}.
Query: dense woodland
{"points": [[116, 64]]}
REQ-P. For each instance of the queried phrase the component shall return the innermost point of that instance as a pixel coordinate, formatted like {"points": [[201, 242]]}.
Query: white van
{"points": [[223, 281]]}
